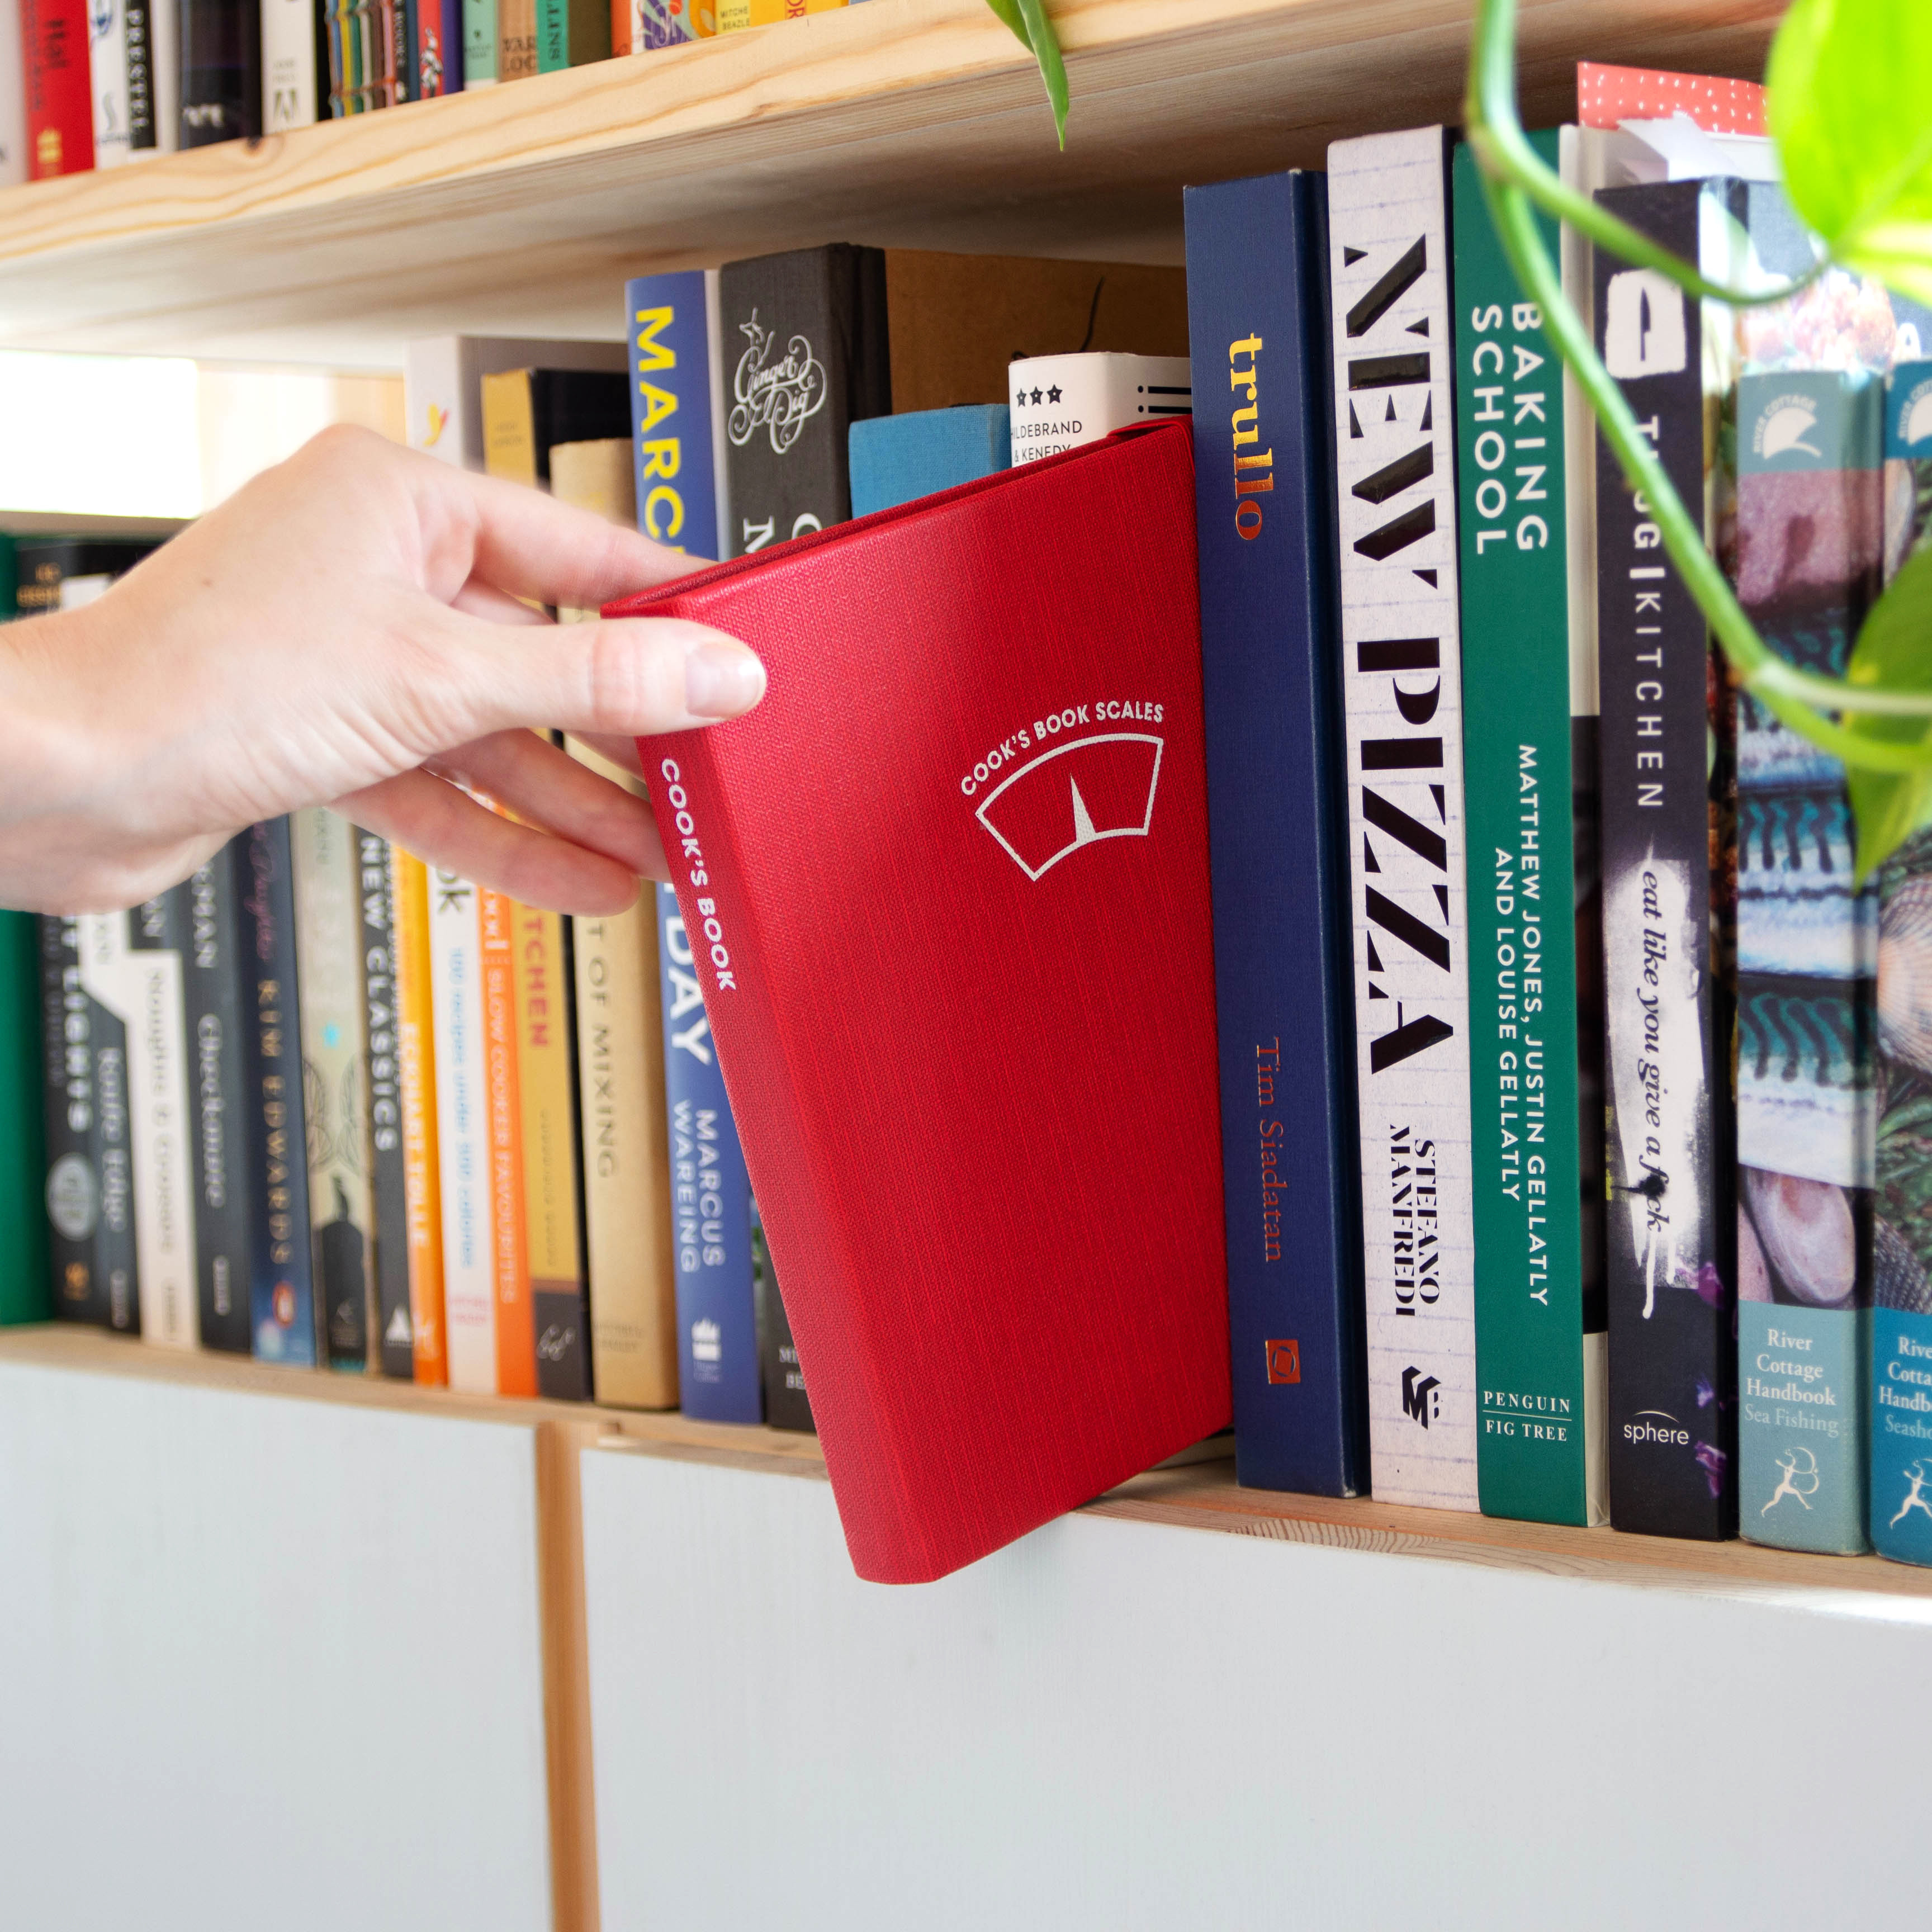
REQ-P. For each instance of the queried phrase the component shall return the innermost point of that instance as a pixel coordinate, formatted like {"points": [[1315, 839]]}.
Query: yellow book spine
{"points": [[415, 1055], [626, 1147], [733, 15], [510, 426]]}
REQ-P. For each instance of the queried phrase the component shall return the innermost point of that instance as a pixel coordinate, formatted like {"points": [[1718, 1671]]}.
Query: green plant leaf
{"points": [[1008, 10], [1850, 103], [1029, 21], [1893, 649]]}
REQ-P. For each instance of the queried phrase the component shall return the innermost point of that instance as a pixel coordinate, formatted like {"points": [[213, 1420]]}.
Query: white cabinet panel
{"points": [[265, 1663], [1119, 1725]]}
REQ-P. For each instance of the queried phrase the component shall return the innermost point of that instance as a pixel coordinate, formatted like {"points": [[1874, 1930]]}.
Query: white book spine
{"points": [[1402, 685], [107, 71], [142, 988], [1060, 402], [13, 96], [164, 34], [463, 1129], [442, 384], [289, 89]]}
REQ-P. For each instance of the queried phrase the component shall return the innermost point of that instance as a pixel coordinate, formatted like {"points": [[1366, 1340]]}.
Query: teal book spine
{"points": [[479, 44], [1807, 565], [1899, 1422], [1529, 740], [23, 1230]]}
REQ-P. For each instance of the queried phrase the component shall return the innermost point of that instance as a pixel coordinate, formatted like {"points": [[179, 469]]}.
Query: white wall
{"points": [[1118, 1725], [265, 1663]]}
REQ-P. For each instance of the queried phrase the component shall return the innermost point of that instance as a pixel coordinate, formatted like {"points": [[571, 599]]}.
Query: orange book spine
{"points": [[415, 1063], [516, 1324], [620, 27]]}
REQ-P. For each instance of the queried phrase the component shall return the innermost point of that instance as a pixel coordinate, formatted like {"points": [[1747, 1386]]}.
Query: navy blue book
{"points": [[718, 1368], [896, 460], [281, 1278], [677, 409], [1258, 327]]}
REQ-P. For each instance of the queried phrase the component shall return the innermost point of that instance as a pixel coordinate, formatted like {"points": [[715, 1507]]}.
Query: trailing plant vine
{"points": [[1850, 106]]}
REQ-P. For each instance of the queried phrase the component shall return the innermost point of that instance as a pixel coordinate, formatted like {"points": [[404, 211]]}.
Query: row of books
{"points": [[521, 1173], [86, 85], [324, 1105], [1572, 1097], [1633, 1146]]}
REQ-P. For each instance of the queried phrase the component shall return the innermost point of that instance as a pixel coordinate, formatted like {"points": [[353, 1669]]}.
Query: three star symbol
{"points": [[1052, 395]]}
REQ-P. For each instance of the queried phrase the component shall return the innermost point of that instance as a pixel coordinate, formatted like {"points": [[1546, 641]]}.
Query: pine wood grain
{"points": [[1209, 1499], [522, 208]]}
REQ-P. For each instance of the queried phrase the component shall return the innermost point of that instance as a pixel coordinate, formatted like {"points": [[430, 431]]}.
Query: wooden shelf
{"points": [[521, 208], [1199, 1496]]}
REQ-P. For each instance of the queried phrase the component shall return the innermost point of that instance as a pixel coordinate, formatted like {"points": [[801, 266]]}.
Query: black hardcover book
{"points": [[1669, 911], [221, 71], [805, 335], [563, 1312], [76, 1185], [212, 980], [578, 406], [395, 1336], [787, 1405], [115, 1248], [403, 26], [43, 564], [281, 1281], [138, 18]]}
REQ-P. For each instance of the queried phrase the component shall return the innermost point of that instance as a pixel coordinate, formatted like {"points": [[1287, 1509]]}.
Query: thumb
{"points": [[626, 677]]}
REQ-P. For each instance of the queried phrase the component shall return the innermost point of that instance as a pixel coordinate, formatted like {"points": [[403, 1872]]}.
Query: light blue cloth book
{"points": [[895, 459]]}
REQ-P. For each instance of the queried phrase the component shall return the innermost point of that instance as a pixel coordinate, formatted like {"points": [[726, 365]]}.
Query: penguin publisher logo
{"points": [[1076, 794]]}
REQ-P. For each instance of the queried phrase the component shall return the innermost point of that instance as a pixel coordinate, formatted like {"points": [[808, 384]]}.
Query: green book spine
{"points": [[1528, 748], [23, 1231], [479, 43], [571, 32]]}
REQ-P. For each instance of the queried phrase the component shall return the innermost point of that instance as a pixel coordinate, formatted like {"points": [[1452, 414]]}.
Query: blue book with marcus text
{"points": [[718, 1358], [677, 409], [1258, 324], [897, 460]]}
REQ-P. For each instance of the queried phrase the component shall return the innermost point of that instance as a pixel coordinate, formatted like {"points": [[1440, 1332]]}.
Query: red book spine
{"points": [[60, 98]]}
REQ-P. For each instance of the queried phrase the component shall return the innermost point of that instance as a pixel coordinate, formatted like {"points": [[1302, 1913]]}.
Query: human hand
{"points": [[345, 631]]}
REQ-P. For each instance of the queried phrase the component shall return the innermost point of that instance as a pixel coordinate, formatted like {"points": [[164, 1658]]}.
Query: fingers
{"points": [[548, 788], [527, 543], [447, 830], [626, 677]]}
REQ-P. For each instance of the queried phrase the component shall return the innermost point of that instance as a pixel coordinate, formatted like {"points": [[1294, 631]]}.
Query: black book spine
{"points": [[74, 1187], [1668, 930], [115, 1253], [376, 881], [281, 1280], [213, 978], [138, 16], [563, 1318], [809, 332], [787, 1405], [221, 71]]}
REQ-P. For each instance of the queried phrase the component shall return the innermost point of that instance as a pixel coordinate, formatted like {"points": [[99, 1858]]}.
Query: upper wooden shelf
{"points": [[1200, 1495], [522, 208]]}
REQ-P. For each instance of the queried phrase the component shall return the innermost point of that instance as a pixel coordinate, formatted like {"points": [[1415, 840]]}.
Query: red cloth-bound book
{"points": [[947, 889], [60, 94]]}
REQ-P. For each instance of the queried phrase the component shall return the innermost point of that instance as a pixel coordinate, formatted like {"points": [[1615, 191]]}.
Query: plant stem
{"points": [[1496, 134]]}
